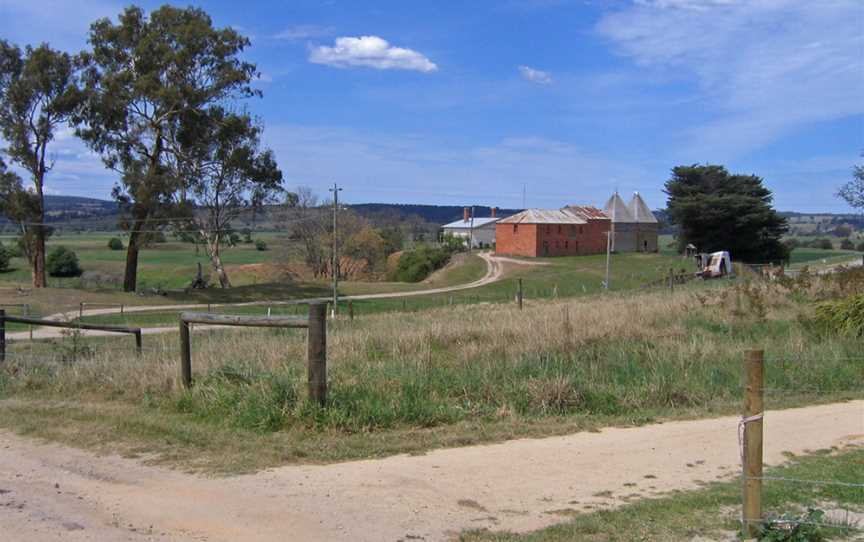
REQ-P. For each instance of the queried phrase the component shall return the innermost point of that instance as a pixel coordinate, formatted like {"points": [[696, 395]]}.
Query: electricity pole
{"points": [[334, 267], [471, 232]]}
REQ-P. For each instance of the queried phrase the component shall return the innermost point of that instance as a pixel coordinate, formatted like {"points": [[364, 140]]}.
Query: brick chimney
{"points": [[493, 212], [466, 214]]}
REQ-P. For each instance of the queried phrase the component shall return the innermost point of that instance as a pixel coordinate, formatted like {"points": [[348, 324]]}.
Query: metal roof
{"points": [[617, 210], [478, 222], [588, 212], [544, 216], [640, 211]]}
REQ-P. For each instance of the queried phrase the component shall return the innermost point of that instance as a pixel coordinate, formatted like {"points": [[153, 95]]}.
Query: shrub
{"points": [[845, 316], [860, 247], [847, 244], [260, 245], [115, 243], [63, 262], [417, 264], [5, 258]]}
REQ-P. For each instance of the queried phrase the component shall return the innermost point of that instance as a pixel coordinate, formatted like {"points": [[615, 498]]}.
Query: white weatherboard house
{"points": [[479, 230]]}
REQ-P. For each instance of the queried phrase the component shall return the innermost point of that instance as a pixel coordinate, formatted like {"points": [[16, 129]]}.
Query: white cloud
{"points": [[304, 32], [372, 52], [762, 69], [535, 76]]}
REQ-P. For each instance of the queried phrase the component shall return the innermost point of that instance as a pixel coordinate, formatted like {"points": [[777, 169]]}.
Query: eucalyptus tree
{"points": [[38, 94], [226, 173], [146, 76]]}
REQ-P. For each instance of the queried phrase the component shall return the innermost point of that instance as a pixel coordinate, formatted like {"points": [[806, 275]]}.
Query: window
{"points": [[559, 229], [515, 228], [566, 244]]}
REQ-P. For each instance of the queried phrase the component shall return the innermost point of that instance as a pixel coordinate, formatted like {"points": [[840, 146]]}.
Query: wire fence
{"points": [[751, 447]]}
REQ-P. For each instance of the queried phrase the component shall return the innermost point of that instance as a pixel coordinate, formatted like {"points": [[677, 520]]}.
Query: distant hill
{"points": [[92, 213], [435, 214]]}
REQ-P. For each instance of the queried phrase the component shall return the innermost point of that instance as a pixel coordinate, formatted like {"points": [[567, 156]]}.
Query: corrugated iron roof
{"points": [[544, 216], [478, 222], [640, 211], [588, 212], [617, 210]]}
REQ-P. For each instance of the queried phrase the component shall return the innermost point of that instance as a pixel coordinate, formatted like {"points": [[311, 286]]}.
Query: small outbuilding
{"points": [[571, 231], [478, 231]]}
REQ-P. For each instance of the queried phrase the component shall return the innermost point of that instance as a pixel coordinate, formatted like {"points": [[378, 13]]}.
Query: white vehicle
{"points": [[714, 265]]}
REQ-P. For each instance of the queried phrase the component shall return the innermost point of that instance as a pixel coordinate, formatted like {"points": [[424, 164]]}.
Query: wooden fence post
{"points": [[185, 355], [671, 280], [350, 310], [752, 442], [316, 353], [27, 314], [138, 345], [80, 310], [519, 293], [2, 335]]}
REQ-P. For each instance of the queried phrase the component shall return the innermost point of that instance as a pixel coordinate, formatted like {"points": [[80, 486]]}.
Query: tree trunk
{"points": [[216, 262], [39, 258], [130, 277]]}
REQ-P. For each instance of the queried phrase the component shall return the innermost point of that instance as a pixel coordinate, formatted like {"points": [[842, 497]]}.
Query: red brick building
{"points": [[571, 231]]}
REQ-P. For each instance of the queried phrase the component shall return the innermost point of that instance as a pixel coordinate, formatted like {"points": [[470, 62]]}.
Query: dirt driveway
{"points": [[49, 492]]}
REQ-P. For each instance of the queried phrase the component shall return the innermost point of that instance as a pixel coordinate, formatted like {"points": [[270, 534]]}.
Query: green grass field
{"points": [[164, 265]]}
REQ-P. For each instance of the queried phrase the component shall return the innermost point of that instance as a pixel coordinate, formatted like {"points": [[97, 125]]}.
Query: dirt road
{"points": [[494, 271], [48, 492]]}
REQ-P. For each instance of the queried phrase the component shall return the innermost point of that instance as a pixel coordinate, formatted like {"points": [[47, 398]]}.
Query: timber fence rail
{"points": [[25, 311], [136, 331], [750, 442], [316, 351]]}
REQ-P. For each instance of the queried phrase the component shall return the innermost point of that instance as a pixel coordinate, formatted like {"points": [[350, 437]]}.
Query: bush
{"points": [[5, 258], [860, 247], [418, 264], [260, 245], [115, 243], [63, 262], [847, 244], [845, 316]]}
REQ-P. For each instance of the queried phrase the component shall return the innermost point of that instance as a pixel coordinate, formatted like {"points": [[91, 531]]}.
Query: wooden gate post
{"points": [[519, 293], [316, 353], [2, 335], [185, 355], [752, 442]]}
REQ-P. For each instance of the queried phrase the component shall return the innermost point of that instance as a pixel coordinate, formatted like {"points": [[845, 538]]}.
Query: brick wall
{"points": [[551, 239], [520, 240]]}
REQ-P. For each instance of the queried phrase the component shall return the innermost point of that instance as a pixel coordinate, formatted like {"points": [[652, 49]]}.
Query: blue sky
{"points": [[466, 102]]}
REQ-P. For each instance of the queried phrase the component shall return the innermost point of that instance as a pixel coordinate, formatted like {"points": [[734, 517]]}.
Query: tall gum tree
{"points": [[227, 174], [144, 76], [38, 94]]}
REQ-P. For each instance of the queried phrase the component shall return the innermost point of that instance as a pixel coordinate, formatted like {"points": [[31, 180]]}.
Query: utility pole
{"points": [[334, 267], [608, 257], [471, 232]]}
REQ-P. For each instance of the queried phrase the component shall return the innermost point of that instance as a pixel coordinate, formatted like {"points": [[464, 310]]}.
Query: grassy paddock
{"points": [[714, 511], [446, 376]]}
